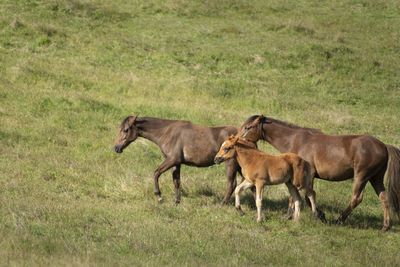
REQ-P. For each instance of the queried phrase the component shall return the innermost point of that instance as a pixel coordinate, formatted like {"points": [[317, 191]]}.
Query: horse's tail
{"points": [[393, 180]]}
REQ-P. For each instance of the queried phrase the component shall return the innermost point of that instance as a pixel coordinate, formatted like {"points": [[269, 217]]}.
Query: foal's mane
{"points": [[284, 123]]}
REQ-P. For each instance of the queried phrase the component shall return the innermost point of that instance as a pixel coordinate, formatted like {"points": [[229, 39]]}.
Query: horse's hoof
{"points": [[259, 220], [223, 202], [296, 219], [396, 218], [241, 213], [160, 200], [385, 228], [320, 215], [339, 222], [177, 202], [289, 214]]}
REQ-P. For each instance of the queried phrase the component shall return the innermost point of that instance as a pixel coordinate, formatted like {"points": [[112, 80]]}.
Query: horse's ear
{"points": [[259, 119], [132, 119], [265, 119]]}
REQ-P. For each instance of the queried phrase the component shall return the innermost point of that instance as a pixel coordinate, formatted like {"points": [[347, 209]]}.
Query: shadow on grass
{"points": [[361, 221], [357, 219], [270, 204]]}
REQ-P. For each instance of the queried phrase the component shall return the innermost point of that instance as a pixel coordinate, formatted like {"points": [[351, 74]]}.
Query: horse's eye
{"points": [[226, 149], [126, 130], [247, 128]]}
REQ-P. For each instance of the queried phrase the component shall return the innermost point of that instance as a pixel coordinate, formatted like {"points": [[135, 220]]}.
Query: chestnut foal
{"points": [[260, 169]]}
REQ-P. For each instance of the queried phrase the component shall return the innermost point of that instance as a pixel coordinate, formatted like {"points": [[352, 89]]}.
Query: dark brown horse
{"points": [[335, 158], [175, 139], [260, 169]]}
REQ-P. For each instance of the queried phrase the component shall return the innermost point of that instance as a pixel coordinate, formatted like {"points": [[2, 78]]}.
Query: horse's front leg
{"points": [[166, 165], [259, 196], [176, 177], [231, 167], [290, 210], [317, 213], [296, 198], [243, 185]]}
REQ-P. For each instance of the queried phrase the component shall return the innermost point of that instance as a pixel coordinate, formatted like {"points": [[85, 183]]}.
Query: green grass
{"points": [[71, 70]]}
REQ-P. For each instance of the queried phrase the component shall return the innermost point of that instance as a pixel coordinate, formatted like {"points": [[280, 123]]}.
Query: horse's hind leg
{"points": [[243, 185], [166, 165], [356, 198], [377, 184], [176, 176]]}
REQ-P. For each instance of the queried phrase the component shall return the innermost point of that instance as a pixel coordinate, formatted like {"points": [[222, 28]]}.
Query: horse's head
{"points": [[128, 132], [227, 150], [252, 129]]}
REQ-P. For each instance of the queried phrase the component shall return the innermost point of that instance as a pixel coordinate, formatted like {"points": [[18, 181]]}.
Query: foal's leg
{"points": [[290, 210], [259, 196], [377, 184], [243, 185], [296, 198], [176, 177], [231, 167], [166, 165]]}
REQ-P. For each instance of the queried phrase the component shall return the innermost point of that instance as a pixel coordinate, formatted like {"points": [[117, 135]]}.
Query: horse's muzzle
{"points": [[118, 149], [218, 160]]}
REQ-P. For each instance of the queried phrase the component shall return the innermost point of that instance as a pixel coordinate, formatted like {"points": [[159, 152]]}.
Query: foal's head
{"points": [[252, 130], [128, 132], [227, 150]]}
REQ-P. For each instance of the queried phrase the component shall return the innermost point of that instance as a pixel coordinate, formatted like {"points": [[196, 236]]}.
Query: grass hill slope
{"points": [[71, 70]]}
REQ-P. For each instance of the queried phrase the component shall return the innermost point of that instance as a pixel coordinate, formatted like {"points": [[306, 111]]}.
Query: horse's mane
{"points": [[155, 122], [244, 142], [284, 123]]}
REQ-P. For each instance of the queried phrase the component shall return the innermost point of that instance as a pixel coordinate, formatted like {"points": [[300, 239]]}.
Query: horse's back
{"points": [[200, 144], [221, 133], [334, 157]]}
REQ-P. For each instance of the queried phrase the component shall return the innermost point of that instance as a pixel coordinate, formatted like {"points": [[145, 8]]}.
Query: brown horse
{"points": [[175, 139], [260, 169], [335, 158]]}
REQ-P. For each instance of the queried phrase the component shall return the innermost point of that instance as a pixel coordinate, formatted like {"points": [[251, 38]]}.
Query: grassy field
{"points": [[71, 70]]}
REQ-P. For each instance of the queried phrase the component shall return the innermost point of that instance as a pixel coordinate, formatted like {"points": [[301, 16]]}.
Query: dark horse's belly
{"points": [[199, 164], [335, 176]]}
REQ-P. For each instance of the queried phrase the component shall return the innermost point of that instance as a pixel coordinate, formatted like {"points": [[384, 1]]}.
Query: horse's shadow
{"points": [[357, 220], [267, 204]]}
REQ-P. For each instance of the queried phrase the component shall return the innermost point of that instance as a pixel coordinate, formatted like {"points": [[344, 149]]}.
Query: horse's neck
{"points": [[282, 137], [152, 129], [245, 154]]}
